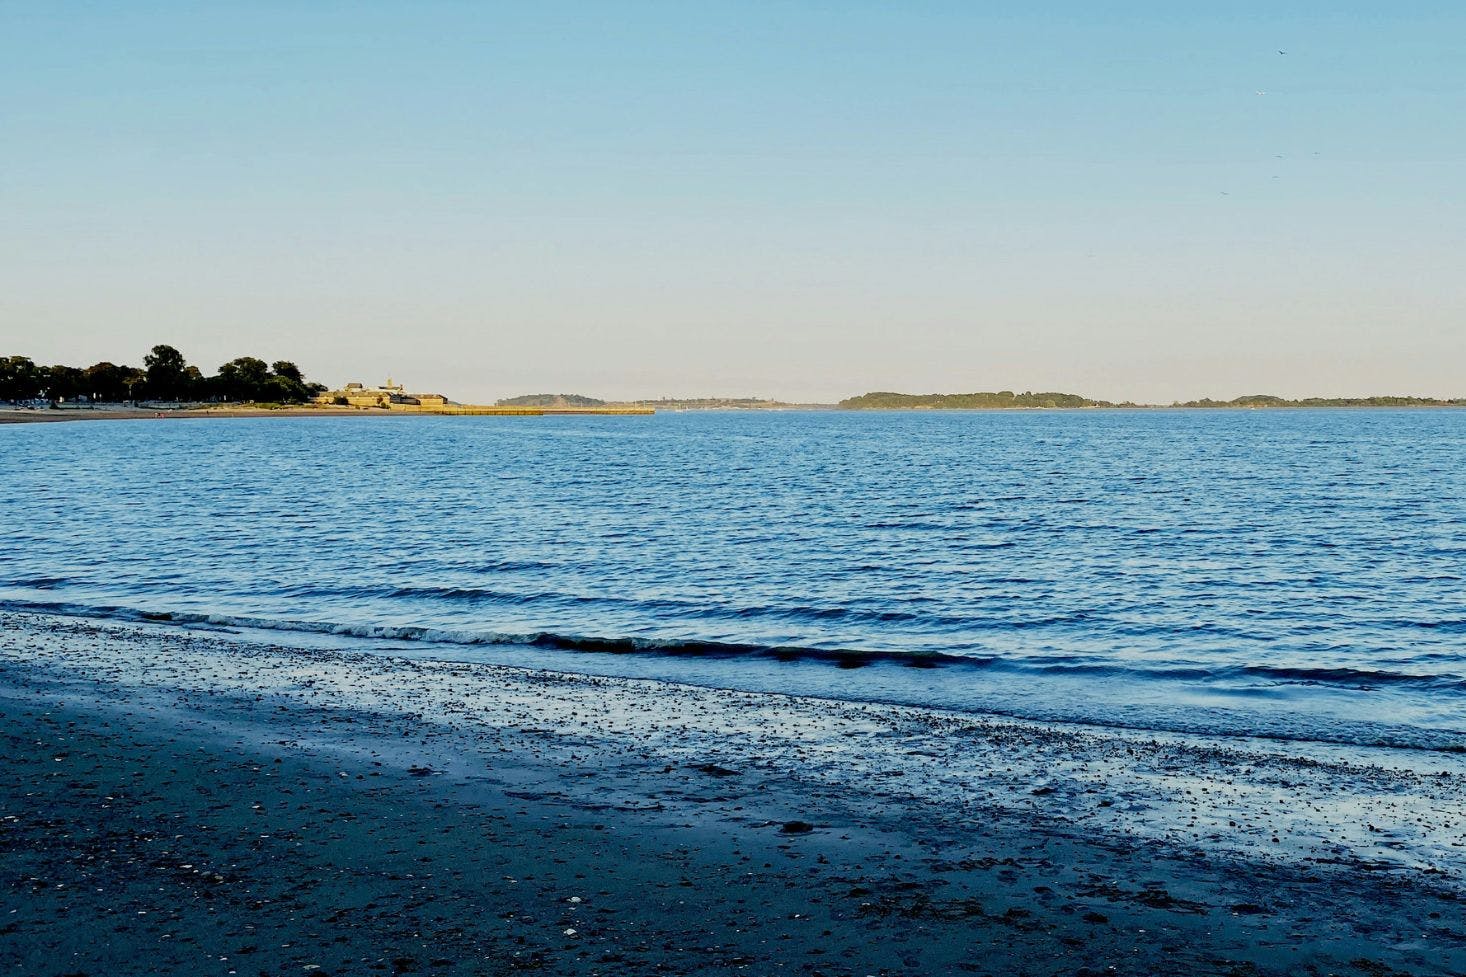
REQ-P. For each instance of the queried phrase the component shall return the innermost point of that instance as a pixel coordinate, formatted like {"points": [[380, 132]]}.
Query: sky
{"points": [[792, 199]]}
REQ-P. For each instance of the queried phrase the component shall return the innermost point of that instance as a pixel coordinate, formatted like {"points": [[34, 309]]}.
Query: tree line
{"points": [[164, 375]]}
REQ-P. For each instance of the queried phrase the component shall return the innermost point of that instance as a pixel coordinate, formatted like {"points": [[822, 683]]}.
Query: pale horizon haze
{"points": [[795, 200]]}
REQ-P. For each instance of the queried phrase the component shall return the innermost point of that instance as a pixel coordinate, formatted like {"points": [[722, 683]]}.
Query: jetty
{"points": [[518, 411]]}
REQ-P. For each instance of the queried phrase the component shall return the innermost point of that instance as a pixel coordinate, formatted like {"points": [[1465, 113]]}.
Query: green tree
{"points": [[135, 381], [65, 382], [195, 384], [167, 373], [20, 378], [288, 384], [244, 378], [106, 381], [282, 390]]}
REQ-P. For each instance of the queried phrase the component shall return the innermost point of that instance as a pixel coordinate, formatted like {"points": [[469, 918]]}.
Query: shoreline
{"points": [[141, 414], [1340, 738], [941, 843], [41, 416]]}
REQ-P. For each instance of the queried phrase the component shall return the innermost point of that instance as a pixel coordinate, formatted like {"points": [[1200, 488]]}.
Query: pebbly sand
{"points": [[198, 803]]}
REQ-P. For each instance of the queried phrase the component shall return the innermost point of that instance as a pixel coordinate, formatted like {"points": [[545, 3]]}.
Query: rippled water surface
{"points": [[1287, 573]]}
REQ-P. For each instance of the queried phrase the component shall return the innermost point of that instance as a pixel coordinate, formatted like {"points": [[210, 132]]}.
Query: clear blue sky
{"points": [[790, 199]]}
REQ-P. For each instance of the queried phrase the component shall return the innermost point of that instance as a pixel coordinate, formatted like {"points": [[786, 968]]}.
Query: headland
{"points": [[167, 385]]}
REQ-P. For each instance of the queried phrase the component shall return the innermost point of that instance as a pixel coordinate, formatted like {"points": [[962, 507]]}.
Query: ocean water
{"points": [[1291, 574]]}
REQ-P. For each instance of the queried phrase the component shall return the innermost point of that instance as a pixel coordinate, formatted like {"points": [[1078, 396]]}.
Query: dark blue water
{"points": [[1295, 574]]}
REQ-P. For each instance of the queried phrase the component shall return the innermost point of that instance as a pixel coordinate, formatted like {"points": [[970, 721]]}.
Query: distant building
{"points": [[387, 395], [421, 400]]}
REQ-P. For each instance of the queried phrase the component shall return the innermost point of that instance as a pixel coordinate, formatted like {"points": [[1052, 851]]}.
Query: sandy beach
{"points": [[11, 416], [184, 802]]}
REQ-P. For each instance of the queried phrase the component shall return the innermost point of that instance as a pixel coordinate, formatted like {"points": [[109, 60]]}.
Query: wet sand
{"points": [[177, 802]]}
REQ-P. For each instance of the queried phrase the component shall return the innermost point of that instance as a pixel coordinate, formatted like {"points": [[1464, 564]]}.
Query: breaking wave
{"points": [[1355, 679]]}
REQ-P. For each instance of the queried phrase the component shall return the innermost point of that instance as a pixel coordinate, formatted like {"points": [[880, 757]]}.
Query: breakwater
{"points": [[516, 411]]}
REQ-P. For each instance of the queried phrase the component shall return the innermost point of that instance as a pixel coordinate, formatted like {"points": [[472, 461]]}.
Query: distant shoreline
{"points": [[64, 414], [1008, 399], [1147, 407], [68, 414]]}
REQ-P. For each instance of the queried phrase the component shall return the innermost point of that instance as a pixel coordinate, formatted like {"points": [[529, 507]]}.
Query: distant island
{"points": [[885, 400], [551, 400], [1268, 400], [980, 400], [725, 403], [1008, 400]]}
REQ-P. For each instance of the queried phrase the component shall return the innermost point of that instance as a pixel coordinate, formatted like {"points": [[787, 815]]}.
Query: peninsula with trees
{"points": [[164, 376], [244, 386]]}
